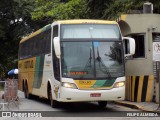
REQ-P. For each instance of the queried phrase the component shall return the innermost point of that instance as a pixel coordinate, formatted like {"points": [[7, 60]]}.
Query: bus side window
{"points": [[56, 65]]}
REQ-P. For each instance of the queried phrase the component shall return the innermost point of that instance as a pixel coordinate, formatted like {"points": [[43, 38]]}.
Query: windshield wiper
{"points": [[88, 64], [104, 69]]}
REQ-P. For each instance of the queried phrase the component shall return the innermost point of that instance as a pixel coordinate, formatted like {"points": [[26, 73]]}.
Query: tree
{"points": [[15, 22], [115, 52], [111, 9], [19, 18], [51, 10], [96, 8]]}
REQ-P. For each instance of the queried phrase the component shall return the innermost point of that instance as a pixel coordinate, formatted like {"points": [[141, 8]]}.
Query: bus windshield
{"points": [[92, 60], [90, 31]]}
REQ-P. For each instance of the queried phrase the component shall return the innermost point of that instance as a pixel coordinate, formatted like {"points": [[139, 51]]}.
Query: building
{"points": [[142, 69]]}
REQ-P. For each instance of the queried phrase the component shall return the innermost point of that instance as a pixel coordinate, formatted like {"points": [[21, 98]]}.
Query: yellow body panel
{"points": [[26, 72], [85, 84]]}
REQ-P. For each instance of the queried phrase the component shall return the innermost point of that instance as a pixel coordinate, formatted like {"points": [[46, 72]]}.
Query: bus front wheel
{"points": [[54, 103], [102, 104]]}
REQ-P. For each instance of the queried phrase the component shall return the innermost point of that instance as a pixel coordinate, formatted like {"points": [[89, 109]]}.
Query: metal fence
{"points": [[8, 93]]}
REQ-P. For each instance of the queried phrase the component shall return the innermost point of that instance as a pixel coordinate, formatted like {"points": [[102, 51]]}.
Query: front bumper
{"points": [[75, 95]]}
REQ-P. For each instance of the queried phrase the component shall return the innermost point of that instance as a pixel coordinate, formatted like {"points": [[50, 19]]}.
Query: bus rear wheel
{"points": [[102, 104], [53, 103], [26, 92]]}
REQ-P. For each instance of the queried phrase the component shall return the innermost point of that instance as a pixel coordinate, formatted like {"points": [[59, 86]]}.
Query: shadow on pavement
{"points": [[75, 106]]}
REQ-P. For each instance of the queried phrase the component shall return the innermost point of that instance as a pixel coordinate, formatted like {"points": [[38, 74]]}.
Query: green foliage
{"points": [[50, 10], [21, 17], [115, 8], [116, 53], [96, 8], [15, 18], [55, 10], [111, 9]]}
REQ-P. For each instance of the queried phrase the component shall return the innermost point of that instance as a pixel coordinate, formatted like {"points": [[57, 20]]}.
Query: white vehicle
{"points": [[74, 60]]}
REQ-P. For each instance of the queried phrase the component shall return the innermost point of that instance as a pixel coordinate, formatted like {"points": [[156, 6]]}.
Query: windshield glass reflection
{"points": [[92, 60]]}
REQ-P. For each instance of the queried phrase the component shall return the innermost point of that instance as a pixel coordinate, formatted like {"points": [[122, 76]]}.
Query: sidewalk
{"points": [[144, 106]]}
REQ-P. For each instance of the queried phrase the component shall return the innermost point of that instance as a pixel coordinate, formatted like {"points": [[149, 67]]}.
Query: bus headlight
{"points": [[69, 85], [119, 84]]}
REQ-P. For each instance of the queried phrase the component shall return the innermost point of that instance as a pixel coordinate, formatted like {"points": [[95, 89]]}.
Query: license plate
{"points": [[95, 95]]}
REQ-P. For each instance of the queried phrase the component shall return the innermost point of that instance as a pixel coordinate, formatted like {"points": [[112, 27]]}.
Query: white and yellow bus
{"points": [[73, 61]]}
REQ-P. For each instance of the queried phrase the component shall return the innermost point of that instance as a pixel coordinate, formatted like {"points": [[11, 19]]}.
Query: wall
{"points": [[138, 67]]}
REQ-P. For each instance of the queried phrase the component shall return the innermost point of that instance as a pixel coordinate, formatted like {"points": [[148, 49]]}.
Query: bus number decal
{"points": [[85, 82]]}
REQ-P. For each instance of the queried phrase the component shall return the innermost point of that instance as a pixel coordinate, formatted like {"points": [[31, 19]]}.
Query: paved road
{"points": [[67, 111], [39, 104]]}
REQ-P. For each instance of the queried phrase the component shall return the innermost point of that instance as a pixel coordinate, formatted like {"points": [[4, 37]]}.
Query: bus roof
{"points": [[80, 21], [86, 21], [36, 33]]}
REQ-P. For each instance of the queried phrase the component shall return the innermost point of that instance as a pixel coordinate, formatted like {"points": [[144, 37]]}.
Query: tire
{"points": [[53, 103], [102, 104], [26, 93]]}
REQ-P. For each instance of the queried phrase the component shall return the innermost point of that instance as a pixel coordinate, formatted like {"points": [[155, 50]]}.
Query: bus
{"points": [[75, 61]]}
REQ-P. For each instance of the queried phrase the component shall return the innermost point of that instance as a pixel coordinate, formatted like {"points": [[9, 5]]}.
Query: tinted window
{"points": [[140, 46], [37, 45]]}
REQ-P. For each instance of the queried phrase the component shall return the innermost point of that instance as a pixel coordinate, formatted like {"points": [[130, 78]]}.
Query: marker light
{"points": [[119, 84], [69, 85]]}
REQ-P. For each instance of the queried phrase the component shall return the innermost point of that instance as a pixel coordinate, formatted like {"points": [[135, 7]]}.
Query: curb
{"points": [[135, 106]]}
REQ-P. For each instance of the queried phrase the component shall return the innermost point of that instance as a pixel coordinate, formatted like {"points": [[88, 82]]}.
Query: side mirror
{"points": [[130, 46], [56, 43]]}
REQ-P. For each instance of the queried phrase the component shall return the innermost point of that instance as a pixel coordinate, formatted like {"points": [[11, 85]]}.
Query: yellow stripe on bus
{"points": [[85, 84], [85, 21], [30, 36]]}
